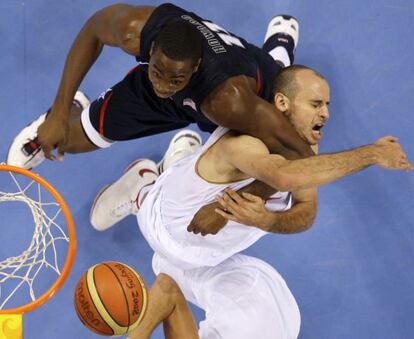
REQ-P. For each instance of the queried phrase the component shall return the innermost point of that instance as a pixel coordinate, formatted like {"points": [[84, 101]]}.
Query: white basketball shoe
{"points": [[282, 37], [25, 150], [116, 201], [184, 143], [283, 25]]}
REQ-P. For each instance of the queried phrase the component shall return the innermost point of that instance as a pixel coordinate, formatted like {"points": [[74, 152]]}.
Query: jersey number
{"points": [[228, 39]]}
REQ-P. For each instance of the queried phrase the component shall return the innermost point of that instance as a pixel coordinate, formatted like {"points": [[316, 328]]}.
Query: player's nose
{"points": [[324, 112]]}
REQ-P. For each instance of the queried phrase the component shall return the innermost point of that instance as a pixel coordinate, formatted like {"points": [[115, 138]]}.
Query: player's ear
{"points": [[197, 65], [282, 102]]}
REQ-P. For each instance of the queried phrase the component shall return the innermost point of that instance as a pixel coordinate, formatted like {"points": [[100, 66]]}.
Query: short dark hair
{"points": [[179, 40], [285, 82]]}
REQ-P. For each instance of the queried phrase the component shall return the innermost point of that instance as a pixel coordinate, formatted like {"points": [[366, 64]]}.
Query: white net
{"points": [[19, 272]]}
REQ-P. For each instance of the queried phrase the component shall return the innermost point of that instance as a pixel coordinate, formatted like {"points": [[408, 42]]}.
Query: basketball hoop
{"points": [[52, 238]]}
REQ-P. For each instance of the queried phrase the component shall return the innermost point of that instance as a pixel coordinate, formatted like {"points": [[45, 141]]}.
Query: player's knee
{"points": [[167, 285]]}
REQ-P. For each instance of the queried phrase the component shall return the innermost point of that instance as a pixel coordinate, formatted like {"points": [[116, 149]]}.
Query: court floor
{"points": [[352, 273]]}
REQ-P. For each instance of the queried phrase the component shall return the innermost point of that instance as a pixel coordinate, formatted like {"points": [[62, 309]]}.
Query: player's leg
{"points": [[78, 141], [166, 303], [25, 151], [246, 298], [281, 39], [125, 196], [243, 298]]}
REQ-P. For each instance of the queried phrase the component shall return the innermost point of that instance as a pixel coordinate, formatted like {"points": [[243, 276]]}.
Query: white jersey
{"points": [[174, 199]]}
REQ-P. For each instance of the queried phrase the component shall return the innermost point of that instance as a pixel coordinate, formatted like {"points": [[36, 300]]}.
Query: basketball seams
{"points": [[144, 297], [92, 304], [107, 318], [123, 292], [89, 324], [99, 295]]}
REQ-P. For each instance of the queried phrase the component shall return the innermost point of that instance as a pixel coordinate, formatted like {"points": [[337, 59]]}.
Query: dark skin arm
{"points": [[118, 26], [235, 105]]}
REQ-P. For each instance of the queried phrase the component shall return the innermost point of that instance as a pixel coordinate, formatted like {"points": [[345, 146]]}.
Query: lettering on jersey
{"points": [[214, 43], [227, 37]]}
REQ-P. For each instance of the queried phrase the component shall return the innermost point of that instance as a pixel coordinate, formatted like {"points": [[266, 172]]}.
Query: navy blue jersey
{"points": [[225, 55]]}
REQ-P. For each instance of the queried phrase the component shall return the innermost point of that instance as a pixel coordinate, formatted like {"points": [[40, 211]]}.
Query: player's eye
{"points": [[155, 74], [175, 82]]}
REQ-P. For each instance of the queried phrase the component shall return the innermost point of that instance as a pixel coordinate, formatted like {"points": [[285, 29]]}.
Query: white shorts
{"points": [[243, 298]]}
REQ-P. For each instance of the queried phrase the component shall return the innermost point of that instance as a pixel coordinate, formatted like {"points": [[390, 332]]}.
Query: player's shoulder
{"points": [[236, 142]]}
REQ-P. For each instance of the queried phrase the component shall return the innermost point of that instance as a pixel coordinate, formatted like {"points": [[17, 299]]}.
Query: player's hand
{"points": [[53, 134], [247, 209], [205, 221], [390, 154]]}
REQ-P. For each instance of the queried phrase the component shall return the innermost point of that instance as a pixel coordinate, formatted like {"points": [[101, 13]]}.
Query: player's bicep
{"points": [[235, 105], [231, 104], [251, 156]]}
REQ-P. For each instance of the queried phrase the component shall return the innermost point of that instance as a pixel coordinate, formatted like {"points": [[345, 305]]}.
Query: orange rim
{"points": [[72, 242]]}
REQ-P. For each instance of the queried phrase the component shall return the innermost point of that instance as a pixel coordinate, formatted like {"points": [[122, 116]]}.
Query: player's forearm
{"points": [[234, 105], [293, 147], [298, 219], [84, 51], [322, 169], [279, 135], [259, 189]]}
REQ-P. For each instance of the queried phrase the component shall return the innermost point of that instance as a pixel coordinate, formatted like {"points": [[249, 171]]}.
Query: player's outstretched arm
{"points": [[235, 105], [118, 26], [251, 157]]}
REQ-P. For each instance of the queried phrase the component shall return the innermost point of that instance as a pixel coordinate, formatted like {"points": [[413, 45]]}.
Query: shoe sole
{"points": [[185, 132], [291, 26], [101, 191]]}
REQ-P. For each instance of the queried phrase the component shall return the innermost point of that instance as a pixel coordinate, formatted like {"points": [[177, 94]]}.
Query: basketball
{"points": [[110, 298]]}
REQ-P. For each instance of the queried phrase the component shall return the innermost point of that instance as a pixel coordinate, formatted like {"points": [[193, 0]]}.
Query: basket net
{"points": [[49, 253]]}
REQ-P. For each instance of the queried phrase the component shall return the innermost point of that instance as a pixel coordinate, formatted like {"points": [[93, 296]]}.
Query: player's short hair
{"points": [[179, 40], [285, 82]]}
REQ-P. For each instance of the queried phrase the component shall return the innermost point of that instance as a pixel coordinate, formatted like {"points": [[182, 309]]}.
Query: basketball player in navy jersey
{"points": [[190, 70]]}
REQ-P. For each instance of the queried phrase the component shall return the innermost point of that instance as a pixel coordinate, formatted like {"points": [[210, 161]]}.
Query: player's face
{"points": [[169, 76], [308, 110]]}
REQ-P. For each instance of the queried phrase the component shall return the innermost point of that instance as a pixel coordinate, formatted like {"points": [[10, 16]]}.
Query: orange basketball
{"points": [[110, 298]]}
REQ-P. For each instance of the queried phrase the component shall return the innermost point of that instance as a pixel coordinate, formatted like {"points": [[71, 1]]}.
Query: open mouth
{"points": [[317, 130]]}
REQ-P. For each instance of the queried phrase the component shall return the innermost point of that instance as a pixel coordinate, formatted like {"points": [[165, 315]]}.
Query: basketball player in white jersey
{"points": [[243, 296]]}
